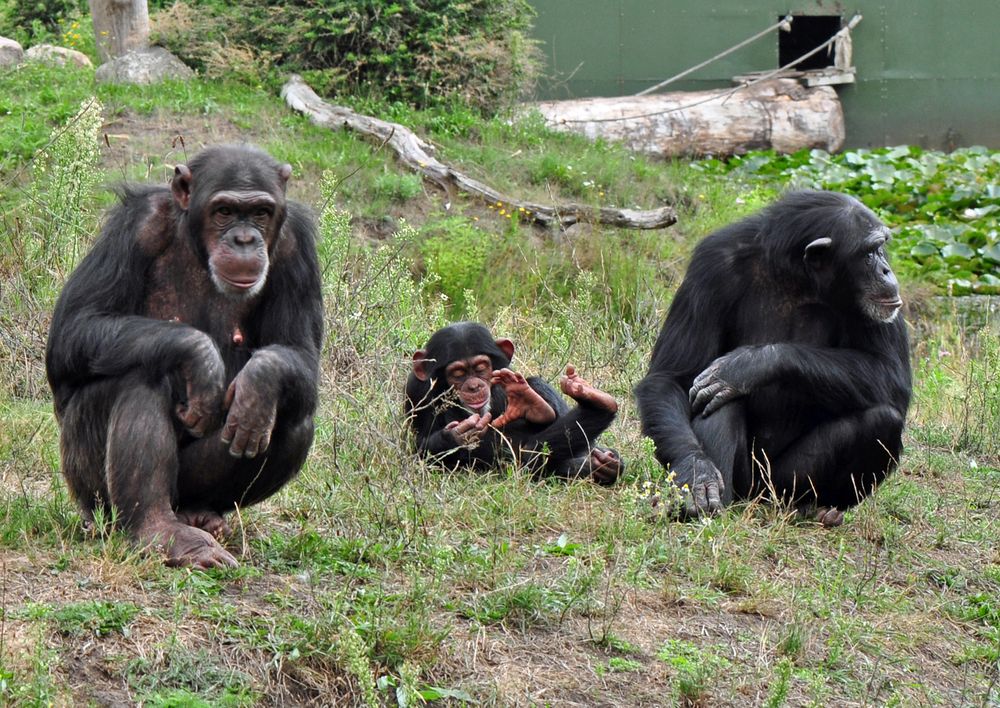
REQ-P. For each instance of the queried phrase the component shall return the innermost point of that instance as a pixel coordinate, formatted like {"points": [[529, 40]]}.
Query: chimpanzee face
{"points": [[235, 209], [879, 289], [851, 268], [470, 379], [237, 233]]}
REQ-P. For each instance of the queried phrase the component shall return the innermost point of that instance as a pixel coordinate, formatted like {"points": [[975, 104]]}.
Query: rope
{"points": [[785, 24], [726, 94]]}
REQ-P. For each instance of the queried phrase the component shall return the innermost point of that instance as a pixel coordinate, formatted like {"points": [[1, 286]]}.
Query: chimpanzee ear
{"points": [[507, 347], [284, 172], [180, 186], [816, 252], [420, 365]]}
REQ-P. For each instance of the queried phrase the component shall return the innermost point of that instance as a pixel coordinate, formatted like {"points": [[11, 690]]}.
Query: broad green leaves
{"points": [[944, 208]]}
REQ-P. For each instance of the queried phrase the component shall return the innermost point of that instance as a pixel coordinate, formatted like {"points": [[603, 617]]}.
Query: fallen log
{"points": [[416, 154], [780, 114]]}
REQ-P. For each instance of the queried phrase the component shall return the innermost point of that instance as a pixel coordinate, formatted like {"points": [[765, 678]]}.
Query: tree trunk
{"points": [[416, 154], [779, 114], [119, 27]]}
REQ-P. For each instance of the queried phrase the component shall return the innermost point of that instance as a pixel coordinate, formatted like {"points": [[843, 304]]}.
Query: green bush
{"points": [[424, 52], [36, 20], [455, 252]]}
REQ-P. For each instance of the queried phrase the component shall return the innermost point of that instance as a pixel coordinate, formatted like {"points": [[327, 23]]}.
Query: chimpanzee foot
{"points": [[828, 516], [206, 520], [185, 545], [579, 389], [606, 466]]}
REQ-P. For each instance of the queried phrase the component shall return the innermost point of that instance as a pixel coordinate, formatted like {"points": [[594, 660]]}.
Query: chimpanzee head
{"points": [[842, 245], [463, 356], [233, 200]]}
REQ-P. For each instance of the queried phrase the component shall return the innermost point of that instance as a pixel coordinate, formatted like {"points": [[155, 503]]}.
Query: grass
{"points": [[374, 579]]}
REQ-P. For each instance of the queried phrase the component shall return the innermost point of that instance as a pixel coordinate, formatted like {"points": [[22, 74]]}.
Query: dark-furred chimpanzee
{"points": [[783, 365], [468, 408], [184, 353]]}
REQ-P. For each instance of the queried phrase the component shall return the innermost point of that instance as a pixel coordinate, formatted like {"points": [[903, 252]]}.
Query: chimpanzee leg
{"points": [[142, 464], [840, 462], [211, 480], [83, 443], [723, 437]]}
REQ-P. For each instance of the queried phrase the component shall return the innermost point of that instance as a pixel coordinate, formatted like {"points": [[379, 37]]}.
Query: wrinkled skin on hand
{"points": [[469, 432], [522, 400], [204, 378], [252, 403], [705, 485], [729, 377]]}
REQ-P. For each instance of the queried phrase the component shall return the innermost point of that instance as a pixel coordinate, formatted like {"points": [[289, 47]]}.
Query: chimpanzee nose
{"points": [[244, 237]]}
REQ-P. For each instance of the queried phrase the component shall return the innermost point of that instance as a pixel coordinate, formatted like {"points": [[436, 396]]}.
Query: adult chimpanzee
{"points": [[467, 407], [783, 363], [184, 353]]}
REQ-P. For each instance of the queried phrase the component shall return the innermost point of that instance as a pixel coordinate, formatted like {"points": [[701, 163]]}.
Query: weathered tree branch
{"points": [[416, 154]]}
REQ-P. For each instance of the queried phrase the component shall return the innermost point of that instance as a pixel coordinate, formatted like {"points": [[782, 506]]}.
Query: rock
{"points": [[143, 66], [11, 53], [57, 56]]}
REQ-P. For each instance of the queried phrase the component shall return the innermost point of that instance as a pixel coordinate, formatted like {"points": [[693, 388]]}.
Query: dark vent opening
{"points": [[808, 32]]}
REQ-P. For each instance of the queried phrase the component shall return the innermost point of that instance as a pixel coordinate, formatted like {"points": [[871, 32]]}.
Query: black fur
{"points": [[806, 380]]}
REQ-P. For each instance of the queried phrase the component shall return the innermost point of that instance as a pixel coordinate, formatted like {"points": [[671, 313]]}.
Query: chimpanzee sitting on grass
{"points": [[183, 354], [467, 407], [783, 365]]}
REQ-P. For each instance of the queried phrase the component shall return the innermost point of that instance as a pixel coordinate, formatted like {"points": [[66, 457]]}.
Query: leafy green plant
{"points": [[693, 667], [944, 207], [455, 252], [97, 618], [475, 53], [398, 187]]}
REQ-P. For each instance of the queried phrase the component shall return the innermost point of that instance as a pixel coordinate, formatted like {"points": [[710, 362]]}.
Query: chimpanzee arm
{"points": [[572, 434], [836, 379], [287, 333], [692, 336], [282, 374], [96, 331]]}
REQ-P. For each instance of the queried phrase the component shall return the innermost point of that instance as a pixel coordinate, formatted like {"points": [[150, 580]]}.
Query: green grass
{"points": [[374, 579]]}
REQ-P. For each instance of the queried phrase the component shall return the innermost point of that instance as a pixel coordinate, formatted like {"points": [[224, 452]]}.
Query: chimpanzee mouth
{"points": [[894, 304], [885, 310], [242, 284], [476, 405]]}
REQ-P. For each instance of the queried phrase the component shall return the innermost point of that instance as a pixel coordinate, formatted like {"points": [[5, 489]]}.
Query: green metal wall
{"points": [[928, 71]]}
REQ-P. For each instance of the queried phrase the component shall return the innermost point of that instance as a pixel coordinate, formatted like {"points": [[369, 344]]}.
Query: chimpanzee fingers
{"points": [[507, 377], [227, 400], [720, 399], [700, 398], [714, 494], [240, 441], [194, 420]]}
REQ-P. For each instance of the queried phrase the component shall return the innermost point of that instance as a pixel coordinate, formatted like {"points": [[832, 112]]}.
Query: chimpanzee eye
{"points": [[263, 213], [224, 211]]}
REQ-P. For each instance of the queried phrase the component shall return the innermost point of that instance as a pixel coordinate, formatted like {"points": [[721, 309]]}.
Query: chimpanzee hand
{"points": [[729, 377], [470, 431], [522, 400], [204, 377], [705, 488], [252, 402]]}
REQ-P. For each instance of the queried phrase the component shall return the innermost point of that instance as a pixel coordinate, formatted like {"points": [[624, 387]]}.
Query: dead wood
{"points": [[416, 154]]}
